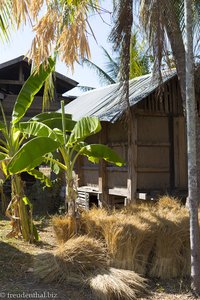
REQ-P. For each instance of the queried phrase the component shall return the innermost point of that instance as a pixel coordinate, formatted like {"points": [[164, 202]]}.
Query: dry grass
{"points": [[64, 227], [129, 242], [167, 202], [92, 221], [117, 284], [145, 238], [71, 261], [171, 253]]}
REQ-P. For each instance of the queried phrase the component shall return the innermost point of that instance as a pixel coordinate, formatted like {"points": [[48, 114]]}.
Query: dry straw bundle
{"points": [[84, 261], [71, 261], [64, 227], [92, 221], [129, 242], [170, 257], [117, 284]]}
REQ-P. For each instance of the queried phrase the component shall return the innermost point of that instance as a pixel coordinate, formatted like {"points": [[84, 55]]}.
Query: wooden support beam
{"points": [[132, 160], [103, 188], [6, 81], [171, 152], [21, 73]]}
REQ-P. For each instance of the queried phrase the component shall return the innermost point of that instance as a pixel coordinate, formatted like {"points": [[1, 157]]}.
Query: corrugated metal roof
{"points": [[106, 103]]}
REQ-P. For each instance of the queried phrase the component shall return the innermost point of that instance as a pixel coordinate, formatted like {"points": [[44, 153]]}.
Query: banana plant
{"points": [[71, 137], [14, 144]]}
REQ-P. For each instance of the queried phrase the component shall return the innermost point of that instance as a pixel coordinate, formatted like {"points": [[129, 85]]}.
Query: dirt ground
{"points": [[18, 282]]}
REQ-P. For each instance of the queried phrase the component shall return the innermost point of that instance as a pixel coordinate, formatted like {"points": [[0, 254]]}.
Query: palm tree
{"points": [[192, 149], [164, 21], [139, 64]]}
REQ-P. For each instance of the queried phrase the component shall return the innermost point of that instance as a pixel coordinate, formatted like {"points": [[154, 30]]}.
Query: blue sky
{"points": [[21, 42]]}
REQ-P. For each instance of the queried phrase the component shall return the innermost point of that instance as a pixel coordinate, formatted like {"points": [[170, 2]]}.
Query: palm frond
{"points": [[112, 65], [6, 22], [103, 76], [121, 37]]}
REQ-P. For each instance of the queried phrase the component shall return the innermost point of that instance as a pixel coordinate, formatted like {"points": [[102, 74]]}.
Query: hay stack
{"points": [[71, 261], [64, 227], [129, 242], [170, 257], [168, 202], [117, 284], [91, 222]]}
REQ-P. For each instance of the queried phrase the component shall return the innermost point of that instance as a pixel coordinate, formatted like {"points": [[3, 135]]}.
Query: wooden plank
{"points": [[118, 192], [21, 73], [17, 82], [153, 170], [152, 144], [182, 154], [171, 152], [176, 151]]}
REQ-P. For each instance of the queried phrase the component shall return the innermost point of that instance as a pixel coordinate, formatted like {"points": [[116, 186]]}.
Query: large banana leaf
{"points": [[39, 129], [49, 115], [95, 152], [39, 175], [31, 154], [30, 89], [84, 128], [57, 123]]}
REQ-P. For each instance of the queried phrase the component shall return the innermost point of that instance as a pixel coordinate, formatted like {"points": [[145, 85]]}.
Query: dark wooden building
{"points": [[160, 159], [15, 72]]}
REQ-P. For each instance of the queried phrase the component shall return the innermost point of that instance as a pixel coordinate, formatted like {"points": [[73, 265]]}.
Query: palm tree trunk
{"points": [[192, 151]]}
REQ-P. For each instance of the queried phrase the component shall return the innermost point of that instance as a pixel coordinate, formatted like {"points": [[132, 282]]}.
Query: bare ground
{"points": [[17, 280]]}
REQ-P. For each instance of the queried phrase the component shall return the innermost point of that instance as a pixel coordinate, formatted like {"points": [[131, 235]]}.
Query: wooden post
{"points": [[21, 74], [103, 188], [132, 159], [171, 152]]}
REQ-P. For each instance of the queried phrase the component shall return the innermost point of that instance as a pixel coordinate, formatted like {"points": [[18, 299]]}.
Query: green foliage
{"points": [[30, 89], [84, 128], [16, 158], [30, 155], [95, 152]]}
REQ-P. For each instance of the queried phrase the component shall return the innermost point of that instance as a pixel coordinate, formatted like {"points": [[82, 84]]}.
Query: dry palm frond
{"points": [[64, 227], [72, 261], [117, 284], [35, 7], [62, 29], [20, 11]]}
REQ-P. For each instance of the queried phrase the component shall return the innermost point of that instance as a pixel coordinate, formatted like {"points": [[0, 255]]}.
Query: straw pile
{"points": [[84, 261], [145, 239], [117, 284], [170, 256], [64, 227], [129, 242], [71, 261], [92, 222]]}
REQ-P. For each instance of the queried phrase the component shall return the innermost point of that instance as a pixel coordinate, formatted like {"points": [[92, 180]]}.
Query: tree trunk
{"points": [[19, 213], [191, 115]]}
